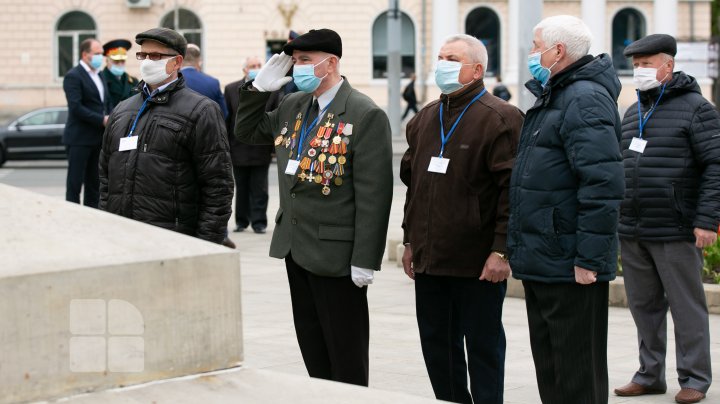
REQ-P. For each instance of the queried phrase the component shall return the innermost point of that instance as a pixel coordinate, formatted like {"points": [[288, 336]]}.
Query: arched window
{"points": [[186, 23], [380, 49], [627, 27], [484, 24], [72, 28]]}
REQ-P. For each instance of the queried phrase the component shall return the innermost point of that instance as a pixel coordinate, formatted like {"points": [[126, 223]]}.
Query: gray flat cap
{"points": [[652, 45], [166, 36]]}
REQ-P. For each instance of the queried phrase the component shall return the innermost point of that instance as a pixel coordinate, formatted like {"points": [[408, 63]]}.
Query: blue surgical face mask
{"points": [[305, 78], [117, 70], [538, 71], [96, 61], [447, 76], [252, 73]]}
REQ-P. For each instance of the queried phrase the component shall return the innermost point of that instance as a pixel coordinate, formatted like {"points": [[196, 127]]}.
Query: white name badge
{"points": [[128, 143], [638, 145], [292, 167], [438, 165]]}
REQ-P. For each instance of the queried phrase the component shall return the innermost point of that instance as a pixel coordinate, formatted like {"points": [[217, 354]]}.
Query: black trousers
{"points": [[331, 323], [568, 336], [83, 169], [251, 196], [455, 314], [410, 107]]}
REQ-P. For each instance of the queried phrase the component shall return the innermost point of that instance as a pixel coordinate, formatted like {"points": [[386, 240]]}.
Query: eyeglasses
{"points": [[152, 55]]}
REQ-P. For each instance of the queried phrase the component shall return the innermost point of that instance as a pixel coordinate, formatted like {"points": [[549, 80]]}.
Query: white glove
{"points": [[361, 276], [272, 76]]}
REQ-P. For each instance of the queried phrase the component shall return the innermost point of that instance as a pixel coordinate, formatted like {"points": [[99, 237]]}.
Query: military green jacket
{"points": [[337, 214], [120, 88]]}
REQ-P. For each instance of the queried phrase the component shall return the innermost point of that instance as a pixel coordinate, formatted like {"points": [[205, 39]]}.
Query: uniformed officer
{"points": [[334, 161], [120, 84]]}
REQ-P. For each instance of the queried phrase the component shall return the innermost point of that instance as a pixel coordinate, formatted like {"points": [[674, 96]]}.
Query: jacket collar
{"points": [[560, 80], [462, 98], [164, 96]]}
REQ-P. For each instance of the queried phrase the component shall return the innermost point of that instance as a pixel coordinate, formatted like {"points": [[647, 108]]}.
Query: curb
{"points": [[617, 296]]}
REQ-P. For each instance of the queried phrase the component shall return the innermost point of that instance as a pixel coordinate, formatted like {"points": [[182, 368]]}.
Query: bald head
{"points": [[193, 57]]}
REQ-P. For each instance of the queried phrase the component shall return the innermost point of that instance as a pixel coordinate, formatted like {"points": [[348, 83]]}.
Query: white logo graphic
{"points": [[107, 336]]}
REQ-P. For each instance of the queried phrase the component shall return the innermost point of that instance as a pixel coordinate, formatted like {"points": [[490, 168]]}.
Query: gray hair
{"points": [[569, 31], [477, 52], [192, 54]]}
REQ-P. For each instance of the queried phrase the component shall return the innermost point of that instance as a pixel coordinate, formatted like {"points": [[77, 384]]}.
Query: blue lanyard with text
{"points": [[305, 130], [641, 121], [444, 139], [142, 109]]}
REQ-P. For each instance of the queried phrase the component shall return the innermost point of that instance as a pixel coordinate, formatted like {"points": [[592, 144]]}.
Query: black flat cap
{"points": [[652, 45], [166, 36], [323, 40]]}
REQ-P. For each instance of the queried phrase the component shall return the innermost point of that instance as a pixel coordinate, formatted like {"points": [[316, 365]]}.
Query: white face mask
{"points": [[153, 71], [645, 78]]}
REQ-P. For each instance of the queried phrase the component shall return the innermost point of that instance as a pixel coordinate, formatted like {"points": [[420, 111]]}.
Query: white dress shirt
{"points": [[95, 76]]}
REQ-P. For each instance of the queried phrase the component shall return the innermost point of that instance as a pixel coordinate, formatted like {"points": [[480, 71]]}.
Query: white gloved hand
{"points": [[272, 76], [361, 276]]}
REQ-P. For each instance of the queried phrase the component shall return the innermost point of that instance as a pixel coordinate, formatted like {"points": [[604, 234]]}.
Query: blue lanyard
{"points": [[444, 139], [305, 130], [142, 109], [641, 121]]}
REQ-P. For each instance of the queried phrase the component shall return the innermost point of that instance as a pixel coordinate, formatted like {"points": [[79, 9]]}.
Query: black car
{"points": [[35, 135]]}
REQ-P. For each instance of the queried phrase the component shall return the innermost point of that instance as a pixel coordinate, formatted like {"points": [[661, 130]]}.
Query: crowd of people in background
{"points": [[549, 196]]}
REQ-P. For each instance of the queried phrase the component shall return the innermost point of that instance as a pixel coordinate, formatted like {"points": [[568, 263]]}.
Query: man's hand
{"points": [[585, 276], [495, 270], [704, 238], [407, 262], [361, 276], [272, 76], [105, 120]]}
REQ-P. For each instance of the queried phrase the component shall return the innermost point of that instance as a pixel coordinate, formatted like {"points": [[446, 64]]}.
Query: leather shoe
{"points": [[259, 230], [239, 229], [228, 243], [633, 389], [686, 396]]}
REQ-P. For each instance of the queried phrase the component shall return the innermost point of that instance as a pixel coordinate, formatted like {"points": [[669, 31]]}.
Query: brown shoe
{"points": [[633, 389], [228, 243], [687, 396]]}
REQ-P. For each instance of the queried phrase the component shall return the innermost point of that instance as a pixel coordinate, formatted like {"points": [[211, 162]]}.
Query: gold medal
{"points": [[318, 179], [321, 158], [326, 190], [302, 176], [279, 140], [342, 160], [338, 181], [332, 160]]}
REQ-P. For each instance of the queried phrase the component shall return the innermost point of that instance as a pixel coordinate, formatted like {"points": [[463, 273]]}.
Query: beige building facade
{"points": [[42, 36]]}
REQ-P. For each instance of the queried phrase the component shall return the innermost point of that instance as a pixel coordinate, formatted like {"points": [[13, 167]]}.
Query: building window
{"points": [[380, 49], [186, 23], [484, 24], [627, 27], [72, 28]]}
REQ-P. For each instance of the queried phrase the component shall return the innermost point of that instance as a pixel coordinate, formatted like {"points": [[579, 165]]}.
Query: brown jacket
{"points": [[453, 221]]}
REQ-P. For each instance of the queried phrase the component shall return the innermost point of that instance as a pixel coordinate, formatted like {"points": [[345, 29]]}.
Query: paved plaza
{"points": [[396, 362]]}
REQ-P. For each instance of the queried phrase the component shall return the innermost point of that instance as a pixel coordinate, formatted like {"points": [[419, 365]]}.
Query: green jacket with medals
{"points": [[334, 210]]}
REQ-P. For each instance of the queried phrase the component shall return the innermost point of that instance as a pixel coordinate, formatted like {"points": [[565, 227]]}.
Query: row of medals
{"points": [[325, 157]]}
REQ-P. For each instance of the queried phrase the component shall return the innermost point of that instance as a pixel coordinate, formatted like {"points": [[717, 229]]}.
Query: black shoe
{"points": [[228, 243], [239, 229], [259, 230]]}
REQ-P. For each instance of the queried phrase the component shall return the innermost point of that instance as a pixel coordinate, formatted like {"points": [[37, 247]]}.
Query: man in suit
{"points": [[120, 84], [334, 163], [88, 109], [200, 82], [250, 162]]}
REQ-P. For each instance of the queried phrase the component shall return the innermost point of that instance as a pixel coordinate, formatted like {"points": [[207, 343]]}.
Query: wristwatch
{"points": [[502, 255]]}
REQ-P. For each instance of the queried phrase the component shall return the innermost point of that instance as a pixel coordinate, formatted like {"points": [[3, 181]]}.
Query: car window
{"points": [[40, 118], [62, 117]]}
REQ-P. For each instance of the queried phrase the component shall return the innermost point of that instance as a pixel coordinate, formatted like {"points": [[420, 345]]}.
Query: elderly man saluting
{"points": [[565, 193], [334, 161]]}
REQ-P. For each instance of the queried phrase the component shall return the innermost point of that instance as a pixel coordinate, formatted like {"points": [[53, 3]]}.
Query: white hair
{"points": [[569, 31], [477, 52]]}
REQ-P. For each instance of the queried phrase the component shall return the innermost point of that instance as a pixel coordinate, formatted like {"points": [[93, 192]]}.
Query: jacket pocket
{"points": [[163, 137], [278, 216], [339, 233]]}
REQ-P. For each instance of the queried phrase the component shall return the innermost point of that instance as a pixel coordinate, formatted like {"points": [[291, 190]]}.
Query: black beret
{"points": [[323, 40], [117, 49], [652, 45], [166, 36]]}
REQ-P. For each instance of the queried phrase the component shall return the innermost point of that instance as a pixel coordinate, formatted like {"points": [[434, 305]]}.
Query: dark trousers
{"points": [[251, 196], [331, 323], [661, 276], [410, 107], [83, 169], [568, 337], [455, 314]]}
